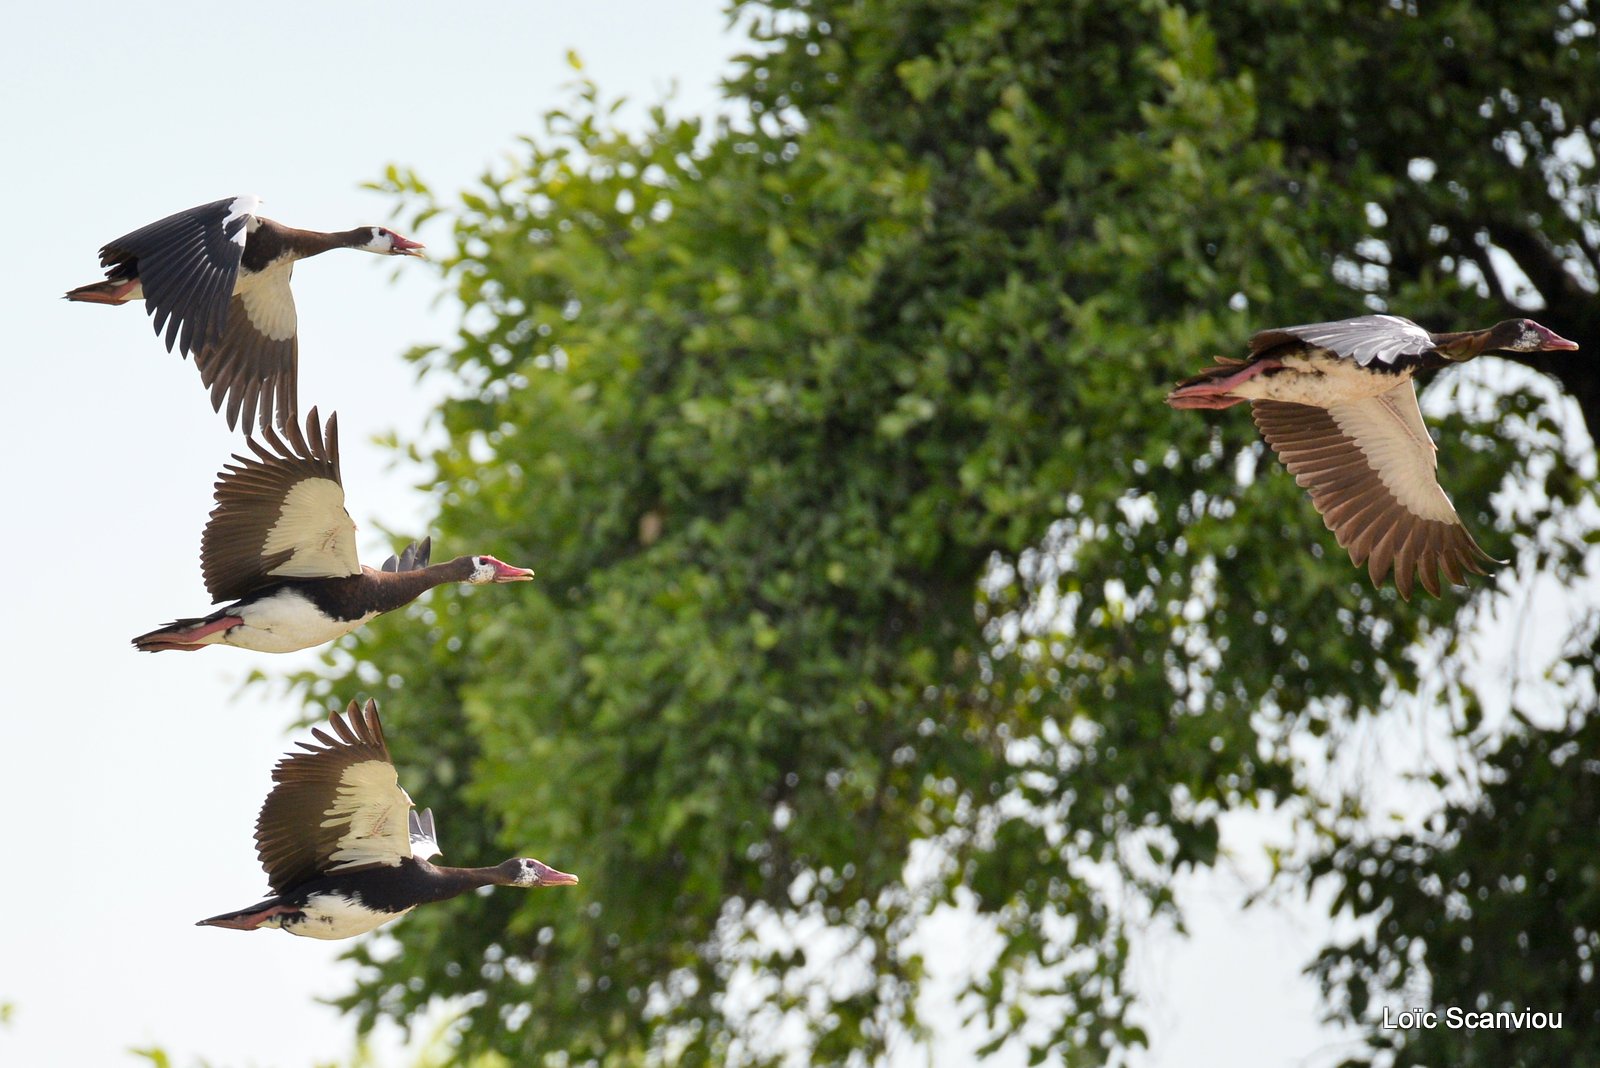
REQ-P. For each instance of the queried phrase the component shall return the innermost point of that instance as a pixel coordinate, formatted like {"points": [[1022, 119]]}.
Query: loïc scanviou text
{"points": [[1459, 1019]]}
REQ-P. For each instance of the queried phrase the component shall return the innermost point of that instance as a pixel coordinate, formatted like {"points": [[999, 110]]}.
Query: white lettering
{"points": [[1409, 1019], [1457, 1018]]}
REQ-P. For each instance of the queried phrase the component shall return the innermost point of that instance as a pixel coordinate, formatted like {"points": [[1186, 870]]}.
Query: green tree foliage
{"points": [[874, 576], [1501, 893]]}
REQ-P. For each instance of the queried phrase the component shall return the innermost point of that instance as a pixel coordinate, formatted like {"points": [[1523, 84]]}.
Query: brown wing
{"points": [[337, 806], [280, 514], [254, 365], [1370, 468]]}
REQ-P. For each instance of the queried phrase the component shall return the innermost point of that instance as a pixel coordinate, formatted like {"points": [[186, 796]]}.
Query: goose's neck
{"points": [[1460, 345], [446, 883], [308, 243], [391, 589]]}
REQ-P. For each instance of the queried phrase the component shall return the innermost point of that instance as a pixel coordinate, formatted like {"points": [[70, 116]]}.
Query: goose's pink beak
{"points": [[548, 876], [1549, 339], [406, 247], [506, 573]]}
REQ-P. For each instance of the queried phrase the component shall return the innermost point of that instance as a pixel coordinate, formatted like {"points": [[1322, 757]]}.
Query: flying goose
{"points": [[281, 547], [215, 281], [344, 850], [1336, 403]]}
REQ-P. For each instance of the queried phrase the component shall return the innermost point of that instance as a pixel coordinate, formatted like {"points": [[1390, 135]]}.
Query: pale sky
{"points": [[130, 783]]}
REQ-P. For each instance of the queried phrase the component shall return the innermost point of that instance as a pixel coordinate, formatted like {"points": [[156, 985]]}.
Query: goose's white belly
{"points": [[1319, 381], [285, 622], [331, 916]]}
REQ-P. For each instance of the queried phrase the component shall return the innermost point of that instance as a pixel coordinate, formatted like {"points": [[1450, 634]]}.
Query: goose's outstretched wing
{"points": [[280, 514], [337, 806]]}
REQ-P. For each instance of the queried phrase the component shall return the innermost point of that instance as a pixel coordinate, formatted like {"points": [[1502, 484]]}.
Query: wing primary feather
{"points": [[374, 726], [342, 726], [313, 435], [332, 449]]}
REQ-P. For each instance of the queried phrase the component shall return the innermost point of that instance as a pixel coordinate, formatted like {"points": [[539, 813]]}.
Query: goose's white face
{"points": [[531, 872], [1532, 337], [388, 243], [1529, 340], [487, 569]]}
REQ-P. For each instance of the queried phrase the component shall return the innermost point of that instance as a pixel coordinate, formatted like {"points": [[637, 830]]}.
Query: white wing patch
{"points": [[1367, 338], [1390, 433], [424, 839], [269, 303], [242, 206], [316, 530], [1410, 328], [372, 805]]}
